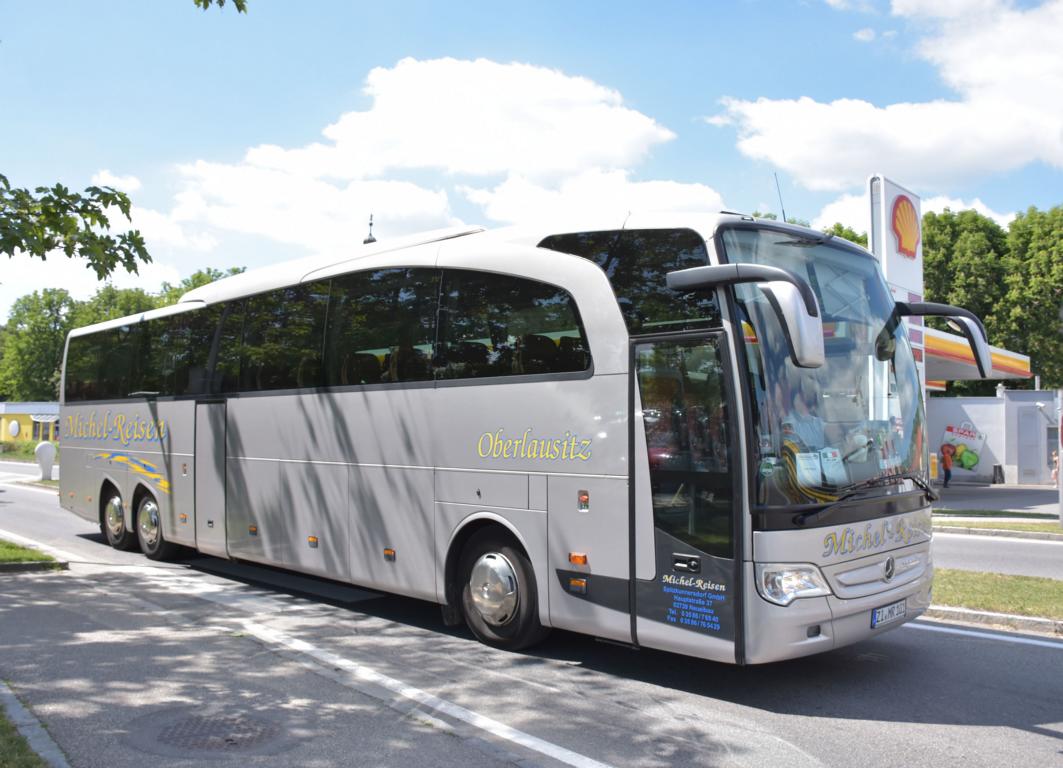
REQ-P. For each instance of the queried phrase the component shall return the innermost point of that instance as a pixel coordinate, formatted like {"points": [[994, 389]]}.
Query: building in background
{"points": [[30, 422]]}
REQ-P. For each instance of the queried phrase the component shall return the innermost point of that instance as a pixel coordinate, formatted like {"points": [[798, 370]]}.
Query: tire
{"points": [[149, 530], [112, 521], [498, 596]]}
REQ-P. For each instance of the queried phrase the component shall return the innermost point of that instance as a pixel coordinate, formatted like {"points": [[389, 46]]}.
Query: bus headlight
{"points": [[782, 583]]}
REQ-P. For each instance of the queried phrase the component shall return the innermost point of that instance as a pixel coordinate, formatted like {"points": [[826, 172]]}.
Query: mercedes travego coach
{"points": [[700, 433]]}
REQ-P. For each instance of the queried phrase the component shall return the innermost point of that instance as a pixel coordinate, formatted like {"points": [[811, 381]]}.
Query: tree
{"points": [[773, 217], [1031, 321], [109, 303], [52, 219], [33, 345], [840, 230], [240, 5], [171, 294]]}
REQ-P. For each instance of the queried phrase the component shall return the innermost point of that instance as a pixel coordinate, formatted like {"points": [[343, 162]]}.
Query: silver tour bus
{"points": [[699, 433]]}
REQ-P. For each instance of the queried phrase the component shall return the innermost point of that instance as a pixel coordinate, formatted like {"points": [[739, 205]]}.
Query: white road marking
{"points": [[425, 699], [222, 594], [1002, 540], [14, 538], [23, 486], [986, 635]]}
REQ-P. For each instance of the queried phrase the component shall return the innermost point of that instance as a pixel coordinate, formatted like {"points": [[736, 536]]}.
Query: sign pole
{"points": [[1059, 453]]}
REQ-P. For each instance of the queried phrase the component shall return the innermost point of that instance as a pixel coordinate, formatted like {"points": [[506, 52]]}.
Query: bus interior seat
{"points": [[538, 353], [362, 368], [406, 363], [572, 354], [469, 358]]}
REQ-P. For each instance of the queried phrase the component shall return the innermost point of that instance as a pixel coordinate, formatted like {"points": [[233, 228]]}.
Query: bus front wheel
{"points": [[113, 522], [498, 597]]}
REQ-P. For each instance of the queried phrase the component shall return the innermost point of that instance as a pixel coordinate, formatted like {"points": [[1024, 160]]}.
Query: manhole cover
{"points": [[215, 732], [220, 732]]}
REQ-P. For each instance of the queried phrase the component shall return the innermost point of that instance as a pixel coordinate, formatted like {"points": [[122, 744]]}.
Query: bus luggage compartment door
{"points": [[210, 479], [683, 433]]}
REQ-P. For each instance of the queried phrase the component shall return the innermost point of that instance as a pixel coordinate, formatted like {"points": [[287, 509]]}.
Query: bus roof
{"points": [[292, 272]]}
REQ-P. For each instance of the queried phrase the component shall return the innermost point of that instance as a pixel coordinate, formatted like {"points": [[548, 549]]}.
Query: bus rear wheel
{"points": [[113, 522], [498, 597], [149, 531]]}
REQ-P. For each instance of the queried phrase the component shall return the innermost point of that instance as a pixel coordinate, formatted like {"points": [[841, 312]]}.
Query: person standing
{"points": [[947, 452]]}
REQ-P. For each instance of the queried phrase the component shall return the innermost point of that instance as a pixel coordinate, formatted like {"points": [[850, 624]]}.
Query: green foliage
{"points": [[33, 344], [773, 217], [52, 219], [840, 230], [171, 294], [1032, 320], [240, 5], [965, 261]]}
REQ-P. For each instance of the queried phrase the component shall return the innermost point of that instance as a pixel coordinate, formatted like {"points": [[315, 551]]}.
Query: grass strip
{"points": [[1045, 527], [989, 513], [999, 593], [22, 450], [13, 553], [15, 752]]}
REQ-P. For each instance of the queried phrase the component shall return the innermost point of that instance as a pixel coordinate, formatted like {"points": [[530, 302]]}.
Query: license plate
{"points": [[889, 613]]}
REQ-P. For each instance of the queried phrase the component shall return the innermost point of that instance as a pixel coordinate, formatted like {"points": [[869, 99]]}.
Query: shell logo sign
{"points": [[905, 225]]}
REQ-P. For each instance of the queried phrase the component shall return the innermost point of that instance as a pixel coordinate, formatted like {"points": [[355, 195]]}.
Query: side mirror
{"points": [[963, 320], [790, 296]]}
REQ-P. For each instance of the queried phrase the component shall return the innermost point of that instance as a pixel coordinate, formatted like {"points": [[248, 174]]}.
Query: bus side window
{"points": [[499, 325], [381, 326]]}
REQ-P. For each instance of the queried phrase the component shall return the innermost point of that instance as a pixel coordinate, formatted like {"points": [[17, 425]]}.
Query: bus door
{"points": [[210, 478], [682, 384]]}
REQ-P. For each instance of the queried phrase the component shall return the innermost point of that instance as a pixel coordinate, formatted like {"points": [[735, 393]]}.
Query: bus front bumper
{"points": [[818, 624]]}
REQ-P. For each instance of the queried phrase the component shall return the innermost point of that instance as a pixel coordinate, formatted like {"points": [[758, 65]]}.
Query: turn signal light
{"points": [[577, 558], [389, 554], [577, 586], [312, 541]]}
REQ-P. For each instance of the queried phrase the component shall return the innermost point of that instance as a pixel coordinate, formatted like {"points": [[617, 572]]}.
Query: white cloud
{"points": [[476, 118], [855, 211], [104, 178], [939, 203], [865, 35], [593, 194], [850, 210], [303, 211], [1001, 61], [23, 275]]}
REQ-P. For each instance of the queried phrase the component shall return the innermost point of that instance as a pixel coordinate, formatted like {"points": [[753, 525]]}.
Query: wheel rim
{"points": [[148, 522], [493, 588], [114, 517]]}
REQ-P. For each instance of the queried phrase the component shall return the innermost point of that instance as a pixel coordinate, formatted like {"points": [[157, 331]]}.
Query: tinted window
{"points": [[82, 364], [283, 338], [193, 350], [117, 350], [684, 411], [636, 262], [496, 325], [382, 327], [226, 360]]}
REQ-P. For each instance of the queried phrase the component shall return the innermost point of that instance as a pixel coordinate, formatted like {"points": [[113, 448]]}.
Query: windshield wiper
{"points": [[860, 489]]}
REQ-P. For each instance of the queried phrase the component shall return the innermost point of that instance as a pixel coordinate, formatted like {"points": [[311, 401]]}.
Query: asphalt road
{"points": [[997, 554], [131, 663], [1029, 499]]}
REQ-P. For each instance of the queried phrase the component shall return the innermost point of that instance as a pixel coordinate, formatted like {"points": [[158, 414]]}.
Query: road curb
{"points": [[31, 729], [1039, 535], [35, 566], [1011, 621]]}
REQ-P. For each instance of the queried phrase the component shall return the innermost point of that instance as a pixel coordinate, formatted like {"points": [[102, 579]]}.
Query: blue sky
{"points": [[494, 113]]}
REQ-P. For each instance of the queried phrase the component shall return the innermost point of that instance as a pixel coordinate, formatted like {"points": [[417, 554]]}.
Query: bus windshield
{"points": [[821, 432]]}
